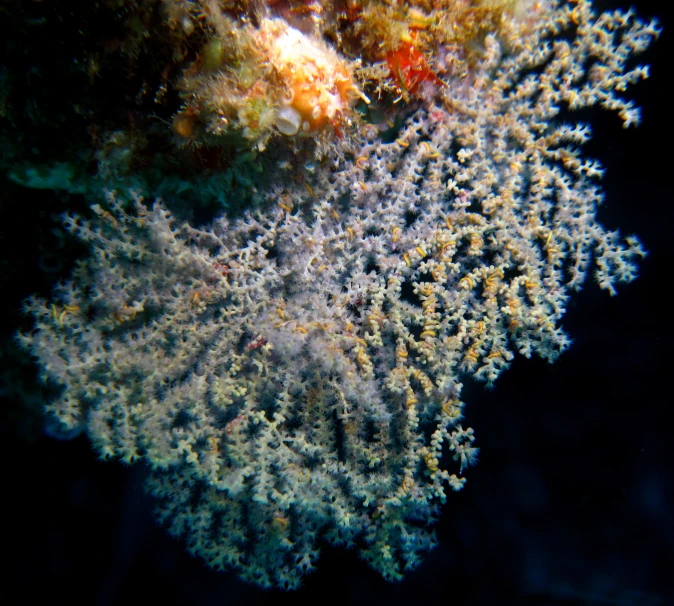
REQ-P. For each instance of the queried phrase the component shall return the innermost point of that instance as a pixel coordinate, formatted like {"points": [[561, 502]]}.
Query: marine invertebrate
{"points": [[295, 374], [318, 84], [279, 80]]}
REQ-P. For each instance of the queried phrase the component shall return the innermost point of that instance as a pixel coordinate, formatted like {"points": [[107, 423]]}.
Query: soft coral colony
{"points": [[294, 375]]}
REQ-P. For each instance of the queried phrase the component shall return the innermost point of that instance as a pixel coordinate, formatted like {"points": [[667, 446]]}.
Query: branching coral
{"points": [[295, 374]]}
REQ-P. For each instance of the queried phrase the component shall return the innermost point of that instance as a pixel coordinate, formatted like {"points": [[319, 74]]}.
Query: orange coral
{"points": [[318, 82]]}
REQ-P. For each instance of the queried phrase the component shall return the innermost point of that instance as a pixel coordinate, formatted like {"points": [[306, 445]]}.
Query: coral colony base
{"points": [[294, 375]]}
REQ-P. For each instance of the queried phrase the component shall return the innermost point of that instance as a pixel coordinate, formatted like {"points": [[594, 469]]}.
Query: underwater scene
{"points": [[361, 301]]}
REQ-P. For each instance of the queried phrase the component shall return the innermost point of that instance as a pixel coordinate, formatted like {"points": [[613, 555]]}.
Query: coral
{"points": [[294, 374], [319, 84], [280, 76], [285, 82]]}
